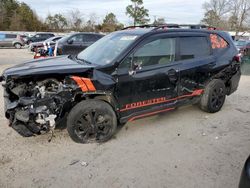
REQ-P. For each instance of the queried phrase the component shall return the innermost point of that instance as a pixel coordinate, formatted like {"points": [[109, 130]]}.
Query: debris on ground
{"points": [[74, 162], [90, 176], [204, 134], [83, 163], [5, 160], [241, 110]]}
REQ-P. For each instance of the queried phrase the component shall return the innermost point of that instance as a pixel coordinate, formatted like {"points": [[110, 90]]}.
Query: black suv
{"points": [[39, 37], [124, 76], [76, 42]]}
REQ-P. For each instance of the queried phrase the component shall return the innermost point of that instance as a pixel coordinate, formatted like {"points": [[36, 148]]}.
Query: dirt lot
{"points": [[184, 148]]}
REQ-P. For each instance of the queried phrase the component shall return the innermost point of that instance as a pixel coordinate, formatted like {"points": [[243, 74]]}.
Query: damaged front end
{"points": [[34, 107]]}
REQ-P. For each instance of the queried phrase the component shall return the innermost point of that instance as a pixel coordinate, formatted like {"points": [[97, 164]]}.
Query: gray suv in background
{"points": [[73, 44], [11, 40]]}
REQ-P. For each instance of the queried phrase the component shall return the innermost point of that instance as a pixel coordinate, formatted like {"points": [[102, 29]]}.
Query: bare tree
{"points": [[75, 19], [227, 14], [219, 7], [240, 14], [216, 12], [91, 24]]}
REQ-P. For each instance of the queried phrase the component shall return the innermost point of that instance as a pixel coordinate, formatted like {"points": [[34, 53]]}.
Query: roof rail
{"points": [[167, 26], [140, 26]]}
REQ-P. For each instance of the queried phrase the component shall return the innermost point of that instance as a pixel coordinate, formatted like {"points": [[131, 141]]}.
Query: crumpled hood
{"points": [[54, 65]]}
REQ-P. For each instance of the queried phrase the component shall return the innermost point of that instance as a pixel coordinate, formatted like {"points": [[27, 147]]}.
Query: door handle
{"points": [[173, 75]]}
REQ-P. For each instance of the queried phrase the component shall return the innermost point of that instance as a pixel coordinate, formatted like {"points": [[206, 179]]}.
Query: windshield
{"points": [[107, 49], [49, 39]]}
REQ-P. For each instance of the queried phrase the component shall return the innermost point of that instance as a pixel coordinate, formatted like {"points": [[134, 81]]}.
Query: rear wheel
{"points": [[17, 45], [91, 121], [214, 96]]}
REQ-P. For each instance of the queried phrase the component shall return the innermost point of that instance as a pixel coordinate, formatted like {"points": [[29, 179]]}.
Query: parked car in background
{"points": [[51, 41], [243, 47], [11, 40], [39, 37], [25, 38], [75, 43], [245, 176]]}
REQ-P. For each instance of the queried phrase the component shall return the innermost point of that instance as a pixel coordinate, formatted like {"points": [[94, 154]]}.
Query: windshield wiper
{"points": [[83, 60]]}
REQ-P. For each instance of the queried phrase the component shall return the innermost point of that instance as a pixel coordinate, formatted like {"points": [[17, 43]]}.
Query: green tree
{"points": [[29, 20], [138, 12], [57, 22], [110, 23], [18, 16], [212, 19], [8, 8]]}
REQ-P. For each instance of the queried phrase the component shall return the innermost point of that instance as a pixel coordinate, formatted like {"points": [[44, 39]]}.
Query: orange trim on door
{"points": [[150, 114], [161, 100]]}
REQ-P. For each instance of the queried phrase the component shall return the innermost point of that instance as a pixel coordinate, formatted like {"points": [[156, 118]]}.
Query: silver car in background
{"points": [[11, 40]]}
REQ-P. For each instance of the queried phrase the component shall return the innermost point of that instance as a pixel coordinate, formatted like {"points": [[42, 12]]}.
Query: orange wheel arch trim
{"points": [[84, 83]]}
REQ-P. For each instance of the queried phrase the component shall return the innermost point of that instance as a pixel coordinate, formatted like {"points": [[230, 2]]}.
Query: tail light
{"points": [[237, 58]]}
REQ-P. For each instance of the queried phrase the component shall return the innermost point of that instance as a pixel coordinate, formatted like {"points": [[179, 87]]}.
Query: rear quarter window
{"points": [[194, 47], [2, 36], [218, 42]]}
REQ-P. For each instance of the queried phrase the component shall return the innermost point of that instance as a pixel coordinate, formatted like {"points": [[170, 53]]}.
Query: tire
{"points": [[17, 45], [214, 96], [28, 42], [91, 121]]}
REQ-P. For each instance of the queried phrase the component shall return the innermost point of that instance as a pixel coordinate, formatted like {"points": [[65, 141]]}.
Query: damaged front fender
{"points": [[35, 107]]}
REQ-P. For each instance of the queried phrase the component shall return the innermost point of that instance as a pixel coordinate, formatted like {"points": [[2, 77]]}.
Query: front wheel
{"points": [[17, 45], [91, 121], [214, 96]]}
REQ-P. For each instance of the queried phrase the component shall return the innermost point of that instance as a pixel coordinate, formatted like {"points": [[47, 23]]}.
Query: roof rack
{"points": [[140, 26], [169, 26]]}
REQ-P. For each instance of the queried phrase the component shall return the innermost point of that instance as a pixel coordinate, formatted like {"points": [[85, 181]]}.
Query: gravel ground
{"points": [[184, 148]]}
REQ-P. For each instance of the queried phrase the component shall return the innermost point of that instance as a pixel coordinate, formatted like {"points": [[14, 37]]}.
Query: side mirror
{"points": [[70, 41], [135, 66]]}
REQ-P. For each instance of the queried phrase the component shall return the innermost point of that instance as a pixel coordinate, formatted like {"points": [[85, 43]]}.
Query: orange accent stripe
{"points": [[151, 113], [195, 93], [80, 83], [89, 84]]}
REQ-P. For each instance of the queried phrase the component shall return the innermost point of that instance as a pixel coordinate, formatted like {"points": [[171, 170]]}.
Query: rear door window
{"points": [[89, 38], [77, 38], [10, 36], [194, 47]]}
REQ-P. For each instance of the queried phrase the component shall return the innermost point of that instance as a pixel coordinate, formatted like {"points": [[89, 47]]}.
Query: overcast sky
{"points": [[174, 11]]}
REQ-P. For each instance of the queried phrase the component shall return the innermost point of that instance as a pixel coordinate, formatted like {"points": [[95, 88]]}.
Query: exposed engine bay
{"points": [[34, 107]]}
